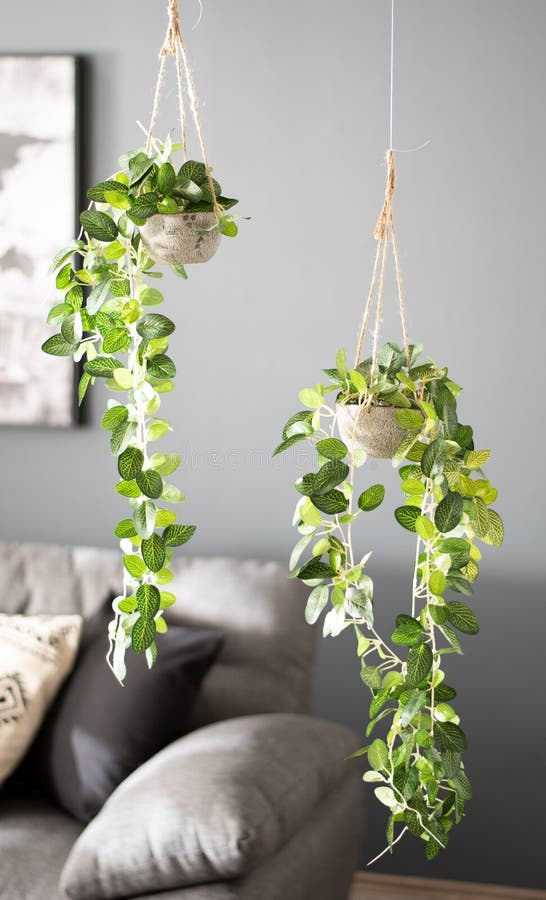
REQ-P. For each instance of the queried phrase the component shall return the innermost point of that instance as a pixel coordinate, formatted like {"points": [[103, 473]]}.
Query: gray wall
{"points": [[295, 104]]}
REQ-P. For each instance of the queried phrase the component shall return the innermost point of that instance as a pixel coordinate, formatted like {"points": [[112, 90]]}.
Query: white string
{"points": [[392, 75], [200, 15], [391, 110]]}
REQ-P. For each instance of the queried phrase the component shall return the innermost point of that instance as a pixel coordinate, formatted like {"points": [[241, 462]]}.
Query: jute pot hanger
{"points": [[184, 237], [369, 425]]}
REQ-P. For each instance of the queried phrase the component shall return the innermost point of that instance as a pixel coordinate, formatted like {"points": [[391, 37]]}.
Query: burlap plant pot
{"points": [[181, 238], [373, 429]]}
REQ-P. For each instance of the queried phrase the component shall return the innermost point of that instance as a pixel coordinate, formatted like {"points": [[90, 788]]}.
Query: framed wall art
{"points": [[39, 199]]}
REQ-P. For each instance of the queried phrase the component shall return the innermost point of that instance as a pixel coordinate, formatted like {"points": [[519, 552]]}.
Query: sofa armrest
{"points": [[210, 806]]}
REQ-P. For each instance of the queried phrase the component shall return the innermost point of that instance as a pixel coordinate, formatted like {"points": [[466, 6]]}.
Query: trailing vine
{"points": [[417, 765], [106, 320]]}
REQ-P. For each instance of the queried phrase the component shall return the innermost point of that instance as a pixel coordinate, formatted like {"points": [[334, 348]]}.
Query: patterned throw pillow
{"points": [[36, 655]]}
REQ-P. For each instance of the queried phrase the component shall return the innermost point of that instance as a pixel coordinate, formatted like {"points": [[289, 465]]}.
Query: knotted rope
{"points": [[384, 234], [173, 45]]}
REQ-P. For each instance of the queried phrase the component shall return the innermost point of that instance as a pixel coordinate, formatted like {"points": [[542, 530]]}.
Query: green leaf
{"points": [[332, 448], [386, 796], [116, 339], [434, 457], [312, 399], [121, 435], [172, 494], [161, 366], [127, 605], [114, 416], [423, 738], [97, 192], [134, 565], [437, 583], [74, 297], [154, 325], [144, 518], [475, 459], [180, 271], [461, 616], [463, 786], [459, 583], [317, 600], [413, 705], [150, 483], [315, 569], [165, 463], [151, 297], [58, 313], [154, 552], [329, 476], [65, 254], [449, 512], [419, 663], [371, 676], [331, 503], [128, 489], [143, 634], [144, 206], [130, 463], [406, 516], [99, 225], [289, 442], [372, 497], [84, 383], [408, 632], [167, 599], [176, 535], [411, 419], [341, 363], [378, 755], [148, 600], [120, 287], [56, 345], [193, 171], [101, 366], [166, 178], [97, 296], [139, 166], [125, 529], [425, 528], [495, 531], [450, 737]]}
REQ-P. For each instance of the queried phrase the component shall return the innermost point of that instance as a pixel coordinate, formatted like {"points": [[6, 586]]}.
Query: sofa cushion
{"points": [[35, 839], [266, 659], [210, 807], [36, 655], [98, 732]]}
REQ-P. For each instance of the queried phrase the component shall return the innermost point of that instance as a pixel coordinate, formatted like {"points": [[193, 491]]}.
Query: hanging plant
{"points": [[153, 210], [391, 404]]}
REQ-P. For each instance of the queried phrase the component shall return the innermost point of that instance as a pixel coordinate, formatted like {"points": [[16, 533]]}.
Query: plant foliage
{"points": [[105, 319], [417, 766]]}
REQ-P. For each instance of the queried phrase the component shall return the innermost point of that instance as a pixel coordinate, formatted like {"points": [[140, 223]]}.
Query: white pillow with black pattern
{"points": [[36, 655]]}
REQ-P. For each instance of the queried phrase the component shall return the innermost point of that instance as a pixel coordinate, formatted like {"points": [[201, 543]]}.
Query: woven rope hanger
{"points": [[385, 235], [173, 45]]}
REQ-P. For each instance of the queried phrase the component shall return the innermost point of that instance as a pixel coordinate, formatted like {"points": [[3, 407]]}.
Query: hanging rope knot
{"points": [[173, 45], [386, 211], [173, 31], [384, 234]]}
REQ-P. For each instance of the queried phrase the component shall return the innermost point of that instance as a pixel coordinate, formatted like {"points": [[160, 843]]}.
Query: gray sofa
{"points": [[258, 802]]}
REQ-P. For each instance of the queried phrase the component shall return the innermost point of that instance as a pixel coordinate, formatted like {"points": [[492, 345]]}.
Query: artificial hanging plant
{"points": [[417, 765], [106, 320]]}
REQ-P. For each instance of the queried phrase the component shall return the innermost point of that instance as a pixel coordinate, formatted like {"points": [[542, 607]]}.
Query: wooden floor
{"points": [[369, 886]]}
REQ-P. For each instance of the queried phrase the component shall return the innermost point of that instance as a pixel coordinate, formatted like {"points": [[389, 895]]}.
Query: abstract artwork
{"points": [[38, 190]]}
